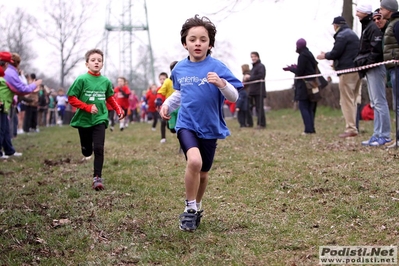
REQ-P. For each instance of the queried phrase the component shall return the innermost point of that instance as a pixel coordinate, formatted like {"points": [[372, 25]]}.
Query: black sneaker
{"points": [[190, 220]]}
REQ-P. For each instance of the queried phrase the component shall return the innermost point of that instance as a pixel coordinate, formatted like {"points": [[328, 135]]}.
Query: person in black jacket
{"points": [[370, 53], [257, 90], [346, 48], [306, 66]]}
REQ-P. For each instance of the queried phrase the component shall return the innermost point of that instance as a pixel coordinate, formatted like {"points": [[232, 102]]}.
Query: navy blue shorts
{"points": [[207, 147]]}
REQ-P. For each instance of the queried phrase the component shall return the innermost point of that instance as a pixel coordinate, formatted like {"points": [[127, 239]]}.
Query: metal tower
{"points": [[127, 44]]}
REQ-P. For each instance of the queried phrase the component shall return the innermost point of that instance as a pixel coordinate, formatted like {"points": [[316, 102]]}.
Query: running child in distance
{"points": [[88, 94]]}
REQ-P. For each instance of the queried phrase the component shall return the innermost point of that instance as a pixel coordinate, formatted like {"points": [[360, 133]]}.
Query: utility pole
{"points": [[127, 43]]}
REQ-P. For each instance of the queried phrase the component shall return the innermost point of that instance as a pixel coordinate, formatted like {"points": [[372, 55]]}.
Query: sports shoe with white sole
{"points": [[190, 220], [98, 183]]}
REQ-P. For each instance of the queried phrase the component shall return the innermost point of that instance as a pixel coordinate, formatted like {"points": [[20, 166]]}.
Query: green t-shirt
{"points": [[6, 95], [91, 90]]}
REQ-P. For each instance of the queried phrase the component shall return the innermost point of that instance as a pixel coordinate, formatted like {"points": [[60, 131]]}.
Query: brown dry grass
{"points": [[274, 197]]}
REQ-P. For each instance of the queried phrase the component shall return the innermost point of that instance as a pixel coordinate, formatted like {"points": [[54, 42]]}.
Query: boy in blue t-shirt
{"points": [[202, 83]]}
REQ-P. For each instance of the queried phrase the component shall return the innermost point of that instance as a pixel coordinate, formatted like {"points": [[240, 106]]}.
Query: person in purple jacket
{"points": [[12, 78], [16, 86]]}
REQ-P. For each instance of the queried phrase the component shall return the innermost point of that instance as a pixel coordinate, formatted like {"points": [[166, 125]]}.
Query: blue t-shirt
{"points": [[201, 107]]}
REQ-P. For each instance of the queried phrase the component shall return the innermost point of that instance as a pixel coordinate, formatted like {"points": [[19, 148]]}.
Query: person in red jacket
{"points": [[122, 93], [151, 98]]}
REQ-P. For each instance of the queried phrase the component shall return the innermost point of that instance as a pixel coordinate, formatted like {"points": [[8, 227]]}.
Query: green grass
{"points": [[273, 198]]}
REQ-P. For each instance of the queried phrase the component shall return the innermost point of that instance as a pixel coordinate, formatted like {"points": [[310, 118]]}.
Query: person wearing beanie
{"points": [[300, 44], [379, 20], [306, 65], [371, 53], [345, 49], [389, 11], [390, 5], [364, 8]]}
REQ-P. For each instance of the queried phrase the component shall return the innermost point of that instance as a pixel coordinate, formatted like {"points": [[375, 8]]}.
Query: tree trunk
{"points": [[347, 12]]}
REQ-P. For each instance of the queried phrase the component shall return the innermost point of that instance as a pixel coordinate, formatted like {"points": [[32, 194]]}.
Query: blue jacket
{"points": [[242, 102], [346, 48]]}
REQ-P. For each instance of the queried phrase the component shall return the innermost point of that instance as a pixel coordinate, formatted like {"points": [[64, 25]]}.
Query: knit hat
{"points": [[377, 13], [339, 20], [6, 57], [364, 8], [391, 5], [300, 44]]}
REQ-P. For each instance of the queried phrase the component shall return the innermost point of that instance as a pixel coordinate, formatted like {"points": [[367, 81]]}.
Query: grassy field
{"points": [[273, 198]]}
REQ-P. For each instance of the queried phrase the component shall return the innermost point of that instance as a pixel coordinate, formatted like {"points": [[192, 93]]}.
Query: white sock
{"points": [[199, 205], [190, 204]]}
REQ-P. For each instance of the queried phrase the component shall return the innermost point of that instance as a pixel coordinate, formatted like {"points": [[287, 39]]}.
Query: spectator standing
{"points": [[370, 53], [32, 103], [242, 107], [346, 48], [379, 20], [21, 103], [306, 65], [43, 106], [9, 64], [257, 88], [248, 120]]}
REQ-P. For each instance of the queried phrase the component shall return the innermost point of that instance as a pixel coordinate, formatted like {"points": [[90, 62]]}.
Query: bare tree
{"points": [[347, 12], [17, 29], [66, 30]]}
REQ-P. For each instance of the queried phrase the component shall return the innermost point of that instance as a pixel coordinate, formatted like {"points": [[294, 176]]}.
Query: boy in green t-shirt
{"points": [[88, 94]]}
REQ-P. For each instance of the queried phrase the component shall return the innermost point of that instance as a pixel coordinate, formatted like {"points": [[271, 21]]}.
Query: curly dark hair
{"points": [[197, 21]]}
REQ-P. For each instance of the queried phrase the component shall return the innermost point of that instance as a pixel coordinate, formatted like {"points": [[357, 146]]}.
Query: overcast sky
{"points": [[264, 26]]}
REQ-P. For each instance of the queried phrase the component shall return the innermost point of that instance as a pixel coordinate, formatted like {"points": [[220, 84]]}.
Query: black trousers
{"points": [[163, 128], [242, 118], [111, 117], [257, 100], [92, 140], [30, 118]]}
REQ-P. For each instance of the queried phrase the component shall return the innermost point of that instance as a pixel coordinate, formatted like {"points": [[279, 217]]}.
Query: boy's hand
{"points": [[94, 109], [214, 79], [121, 115], [164, 112]]}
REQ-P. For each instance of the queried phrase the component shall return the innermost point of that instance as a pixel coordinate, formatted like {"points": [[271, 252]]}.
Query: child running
{"points": [[88, 94], [202, 83]]}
